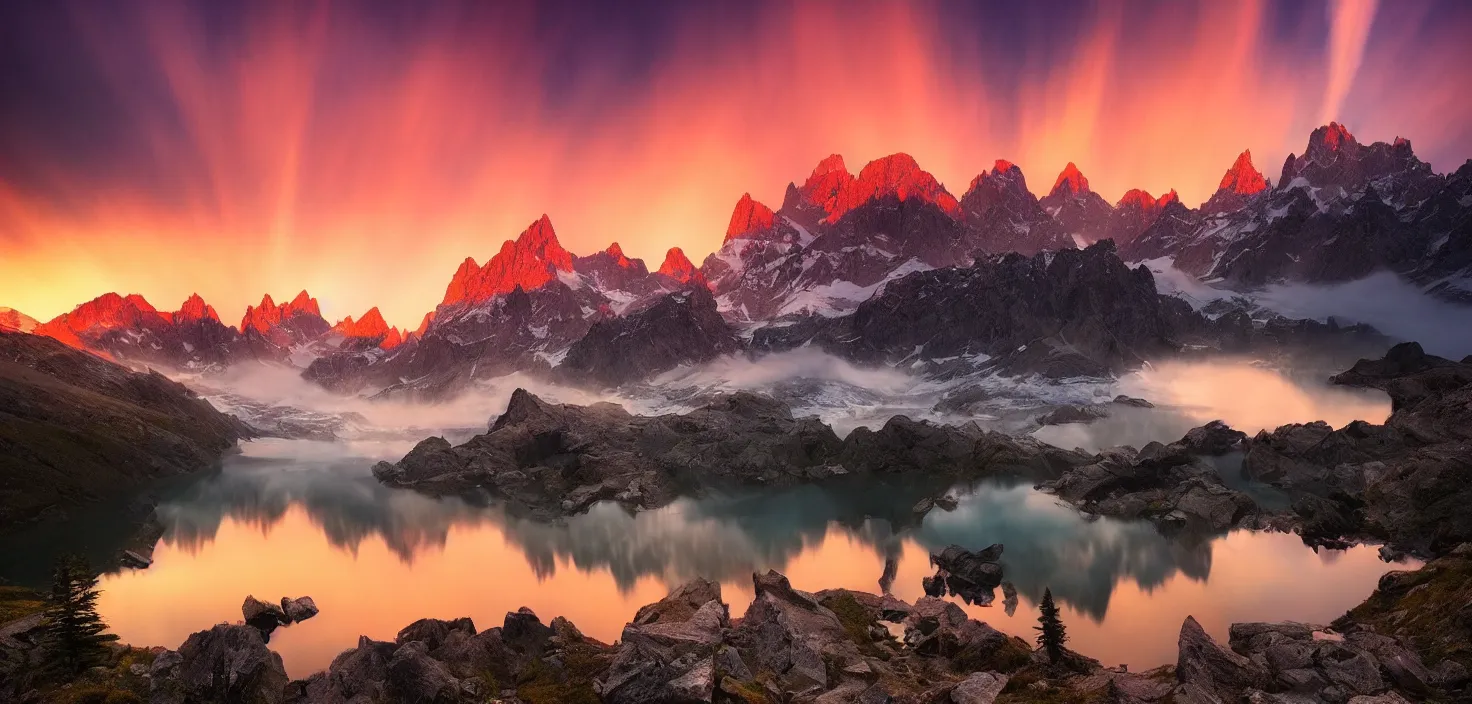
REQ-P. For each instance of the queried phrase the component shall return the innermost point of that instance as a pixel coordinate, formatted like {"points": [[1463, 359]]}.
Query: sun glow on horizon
{"points": [[313, 146]]}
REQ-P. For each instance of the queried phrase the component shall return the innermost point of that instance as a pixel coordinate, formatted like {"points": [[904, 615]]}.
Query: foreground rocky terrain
{"points": [[75, 428], [831, 646]]}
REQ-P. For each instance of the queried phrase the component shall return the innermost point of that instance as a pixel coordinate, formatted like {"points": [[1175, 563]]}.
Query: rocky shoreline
{"points": [[1362, 482], [823, 647]]}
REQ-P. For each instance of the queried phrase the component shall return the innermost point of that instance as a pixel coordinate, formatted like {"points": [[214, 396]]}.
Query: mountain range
{"points": [[802, 274]]}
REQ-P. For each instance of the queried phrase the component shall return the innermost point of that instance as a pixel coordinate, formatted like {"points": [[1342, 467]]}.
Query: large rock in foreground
{"points": [[224, 664]]}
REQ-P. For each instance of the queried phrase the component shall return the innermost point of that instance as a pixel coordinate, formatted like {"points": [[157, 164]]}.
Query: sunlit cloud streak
{"points": [[362, 151]]}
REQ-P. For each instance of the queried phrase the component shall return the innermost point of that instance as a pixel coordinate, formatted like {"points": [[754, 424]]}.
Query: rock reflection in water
{"points": [[1248, 396], [376, 559]]}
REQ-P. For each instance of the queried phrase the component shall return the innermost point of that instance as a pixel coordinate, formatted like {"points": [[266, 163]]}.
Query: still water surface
{"points": [[293, 517], [375, 560]]}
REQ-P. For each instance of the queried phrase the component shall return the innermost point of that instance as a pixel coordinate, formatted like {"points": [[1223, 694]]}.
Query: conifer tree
{"points": [[73, 629], [1051, 634]]}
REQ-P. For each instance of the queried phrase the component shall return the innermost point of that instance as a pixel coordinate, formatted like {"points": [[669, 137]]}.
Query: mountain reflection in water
{"points": [[291, 518]]}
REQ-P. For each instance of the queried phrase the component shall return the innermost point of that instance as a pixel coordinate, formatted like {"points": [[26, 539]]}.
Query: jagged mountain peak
{"points": [[749, 218], [833, 163], [678, 266], [1137, 198], [370, 327], [1071, 182], [1243, 178], [304, 303], [1332, 136], [619, 258], [268, 315], [1004, 176], [540, 240], [195, 309], [897, 175], [529, 261]]}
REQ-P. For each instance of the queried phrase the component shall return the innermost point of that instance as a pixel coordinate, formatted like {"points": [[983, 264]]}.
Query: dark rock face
{"points": [[224, 664], [678, 328], [1404, 482], [563, 458], [1073, 313], [516, 331], [1064, 415], [75, 427], [1005, 216], [298, 609], [973, 576], [263, 616], [1169, 484], [1340, 211], [1206, 669], [670, 651]]}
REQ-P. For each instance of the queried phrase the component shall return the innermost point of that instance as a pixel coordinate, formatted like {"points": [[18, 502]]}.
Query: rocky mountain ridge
{"points": [[1340, 211]]}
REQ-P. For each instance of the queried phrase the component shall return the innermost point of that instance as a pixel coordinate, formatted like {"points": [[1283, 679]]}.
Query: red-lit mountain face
{"points": [[129, 327], [1239, 186], [1080, 212], [12, 320], [368, 331], [298, 322], [1342, 209], [530, 261]]}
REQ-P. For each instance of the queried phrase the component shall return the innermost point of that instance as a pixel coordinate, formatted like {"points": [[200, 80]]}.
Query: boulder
{"points": [[263, 615], [433, 632], [973, 576], [1213, 669], [413, 676], [672, 650], [298, 609], [1132, 401], [979, 688], [787, 631], [1214, 438], [1063, 415], [228, 663]]}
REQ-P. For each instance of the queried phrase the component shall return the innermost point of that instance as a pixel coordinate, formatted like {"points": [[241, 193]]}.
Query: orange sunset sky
{"points": [[361, 150]]}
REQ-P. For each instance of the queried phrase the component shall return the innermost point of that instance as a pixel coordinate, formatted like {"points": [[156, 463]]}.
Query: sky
{"points": [[361, 150]]}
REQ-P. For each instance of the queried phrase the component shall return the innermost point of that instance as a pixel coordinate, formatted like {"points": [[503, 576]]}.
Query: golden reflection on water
{"points": [[1247, 396], [371, 590], [1251, 397]]}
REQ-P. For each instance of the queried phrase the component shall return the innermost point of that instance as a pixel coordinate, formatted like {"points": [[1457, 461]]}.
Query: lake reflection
{"points": [[292, 518], [1247, 396]]}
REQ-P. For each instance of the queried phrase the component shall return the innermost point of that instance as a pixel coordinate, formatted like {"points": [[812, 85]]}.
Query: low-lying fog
{"points": [[1246, 394]]}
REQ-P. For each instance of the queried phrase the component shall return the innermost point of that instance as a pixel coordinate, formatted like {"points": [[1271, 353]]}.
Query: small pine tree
{"points": [[1051, 634], [73, 629]]}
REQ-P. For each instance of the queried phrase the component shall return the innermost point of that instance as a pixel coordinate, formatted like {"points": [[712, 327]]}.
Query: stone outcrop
{"points": [[1172, 485], [562, 458], [972, 576], [75, 428], [1405, 482], [224, 664]]}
